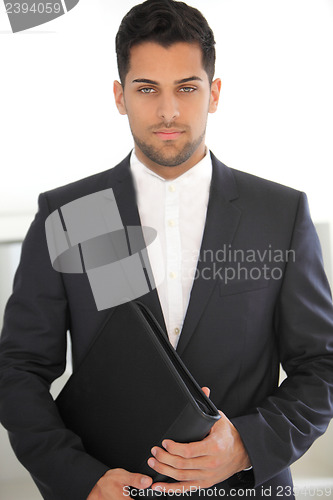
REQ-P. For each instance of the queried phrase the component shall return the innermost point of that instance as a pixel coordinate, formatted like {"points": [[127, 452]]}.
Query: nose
{"points": [[168, 109]]}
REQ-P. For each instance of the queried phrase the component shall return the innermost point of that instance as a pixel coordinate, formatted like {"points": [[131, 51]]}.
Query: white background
{"points": [[58, 121]]}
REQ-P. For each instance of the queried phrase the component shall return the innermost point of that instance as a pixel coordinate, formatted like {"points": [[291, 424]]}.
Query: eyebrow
{"points": [[177, 82]]}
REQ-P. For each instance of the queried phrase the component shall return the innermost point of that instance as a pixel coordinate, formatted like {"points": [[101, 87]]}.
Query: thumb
{"points": [[138, 481], [206, 390]]}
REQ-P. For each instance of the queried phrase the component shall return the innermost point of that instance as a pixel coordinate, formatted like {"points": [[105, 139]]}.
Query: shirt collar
{"points": [[201, 171]]}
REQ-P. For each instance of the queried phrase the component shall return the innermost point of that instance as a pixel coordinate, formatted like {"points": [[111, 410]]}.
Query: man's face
{"points": [[167, 98]]}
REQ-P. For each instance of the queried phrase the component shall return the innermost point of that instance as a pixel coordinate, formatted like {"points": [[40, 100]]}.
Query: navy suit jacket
{"points": [[260, 298]]}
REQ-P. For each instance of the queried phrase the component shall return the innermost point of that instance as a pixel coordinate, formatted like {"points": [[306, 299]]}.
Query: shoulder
{"points": [[249, 189], [254, 186], [265, 199], [88, 185], [266, 207]]}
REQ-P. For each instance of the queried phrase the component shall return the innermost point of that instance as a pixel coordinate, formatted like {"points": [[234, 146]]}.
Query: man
{"points": [[256, 296]]}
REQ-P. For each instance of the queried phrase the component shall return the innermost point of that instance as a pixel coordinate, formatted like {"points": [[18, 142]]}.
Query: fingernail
{"points": [[154, 451], [165, 445], [145, 481], [151, 462]]}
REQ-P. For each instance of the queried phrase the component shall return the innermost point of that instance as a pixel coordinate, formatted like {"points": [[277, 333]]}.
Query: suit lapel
{"points": [[125, 195], [221, 224]]}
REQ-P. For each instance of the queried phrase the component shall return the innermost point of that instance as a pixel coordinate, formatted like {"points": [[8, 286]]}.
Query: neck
{"points": [[170, 173]]}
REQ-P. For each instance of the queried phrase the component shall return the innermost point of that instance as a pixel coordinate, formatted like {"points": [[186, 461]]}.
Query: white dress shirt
{"points": [[176, 209]]}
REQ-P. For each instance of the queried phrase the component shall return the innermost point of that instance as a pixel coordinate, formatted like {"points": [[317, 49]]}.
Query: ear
{"points": [[214, 95], [118, 92]]}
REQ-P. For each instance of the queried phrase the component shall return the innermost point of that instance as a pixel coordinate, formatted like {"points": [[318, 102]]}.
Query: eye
{"points": [[147, 90], [187, 90]]}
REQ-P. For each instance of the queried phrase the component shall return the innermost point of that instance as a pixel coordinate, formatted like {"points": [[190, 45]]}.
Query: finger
{"points": [[178, 487], [138, 481], [177, 474], [177, 462], [206, 390], [187, 450]]}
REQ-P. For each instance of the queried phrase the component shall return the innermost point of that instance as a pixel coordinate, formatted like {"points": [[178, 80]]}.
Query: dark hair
{"points": [[164, 22]]}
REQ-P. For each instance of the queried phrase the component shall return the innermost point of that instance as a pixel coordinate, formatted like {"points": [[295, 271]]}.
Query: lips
{"points": [[168, 135]]}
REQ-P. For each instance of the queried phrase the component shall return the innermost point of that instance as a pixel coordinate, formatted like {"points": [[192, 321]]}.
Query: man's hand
{"points": [[116, 482], [204, 463]]}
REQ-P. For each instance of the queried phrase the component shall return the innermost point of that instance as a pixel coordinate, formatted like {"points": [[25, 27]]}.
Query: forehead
{"points": [[179, 60]]}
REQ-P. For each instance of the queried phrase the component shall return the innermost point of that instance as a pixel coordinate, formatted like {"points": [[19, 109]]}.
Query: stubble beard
{"points": [[158, 157]]}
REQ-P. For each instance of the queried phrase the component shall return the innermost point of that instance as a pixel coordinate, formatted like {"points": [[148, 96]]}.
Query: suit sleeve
{"points": [[32, 356], [285, 424]]}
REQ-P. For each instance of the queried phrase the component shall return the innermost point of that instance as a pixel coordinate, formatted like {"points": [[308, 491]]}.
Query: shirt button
{"points": [[171, 223], [172, 188], [177, 331], [173, 275]]}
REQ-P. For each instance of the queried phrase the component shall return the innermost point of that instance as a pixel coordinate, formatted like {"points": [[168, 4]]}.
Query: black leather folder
{"points": [[131, 391]]}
